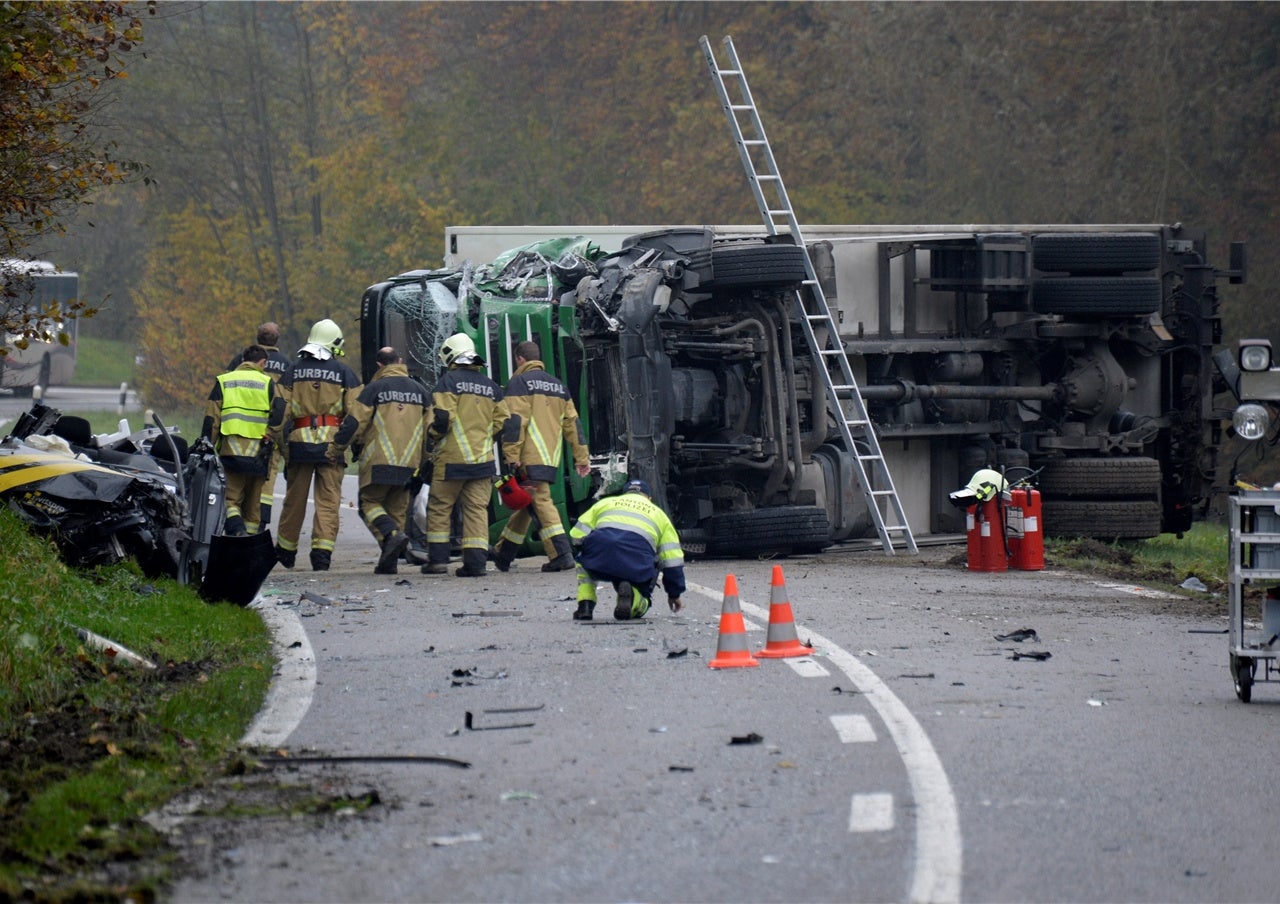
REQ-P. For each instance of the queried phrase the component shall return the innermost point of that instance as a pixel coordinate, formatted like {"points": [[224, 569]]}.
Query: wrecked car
{"points": [[130, 495]]}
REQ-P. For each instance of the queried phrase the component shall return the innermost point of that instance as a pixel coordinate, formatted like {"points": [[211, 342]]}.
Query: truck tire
{"points": [[1135, 478], [1110, 520], [782, 530], [756, 265], [1100, 253], [1097, 296]]}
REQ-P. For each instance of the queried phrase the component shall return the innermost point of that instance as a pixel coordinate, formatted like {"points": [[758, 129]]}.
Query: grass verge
{"points": [[1166, 560], [90, 744]]}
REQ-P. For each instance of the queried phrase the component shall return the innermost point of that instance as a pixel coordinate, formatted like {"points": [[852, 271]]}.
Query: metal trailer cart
{"points": [[1254, 532]]}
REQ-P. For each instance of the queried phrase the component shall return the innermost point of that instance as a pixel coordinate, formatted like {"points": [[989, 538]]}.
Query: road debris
{"points": [[469, 722], [112, 649], [1038, 655], [1019, 636], [751, 738]]}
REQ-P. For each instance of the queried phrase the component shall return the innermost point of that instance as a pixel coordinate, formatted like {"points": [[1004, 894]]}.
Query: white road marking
{"points": [[853, 729], [1137, 590], [292, 687], [871, 813], [939, 854], [806, 667]]}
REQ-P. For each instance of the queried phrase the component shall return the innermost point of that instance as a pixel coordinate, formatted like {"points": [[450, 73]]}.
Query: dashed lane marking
{"points": [[871, 813], [807, 668], [939, 858], [853, 729]]}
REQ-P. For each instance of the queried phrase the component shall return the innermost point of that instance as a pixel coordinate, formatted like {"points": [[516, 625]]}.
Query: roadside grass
{"points": [[103, 362], [90, 744], [1202, 552]]}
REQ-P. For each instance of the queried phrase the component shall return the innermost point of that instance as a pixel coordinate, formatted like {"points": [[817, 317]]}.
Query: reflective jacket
{"points": [[546, 419], [244, 410], [477, 417], [388, 422], [630, 537], [319, 394]]}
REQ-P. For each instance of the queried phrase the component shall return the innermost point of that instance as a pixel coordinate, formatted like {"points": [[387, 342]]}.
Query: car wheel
{"points": [[1106, 252], [1097, 296], [757, 265], [1134, 519], [1102, 477], [782, 530]]}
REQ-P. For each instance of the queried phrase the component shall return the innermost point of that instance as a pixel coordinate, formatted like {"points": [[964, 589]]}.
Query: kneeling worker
{"points": [[626, 540]]}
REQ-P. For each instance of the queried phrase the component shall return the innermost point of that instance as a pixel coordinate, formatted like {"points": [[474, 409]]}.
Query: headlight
{"points": [[1255, 354], [1251, 421]]}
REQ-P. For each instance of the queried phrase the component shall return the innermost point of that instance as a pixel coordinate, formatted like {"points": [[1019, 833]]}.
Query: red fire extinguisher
{"points": [[512, 494], [1026, 530], [986, 541]]}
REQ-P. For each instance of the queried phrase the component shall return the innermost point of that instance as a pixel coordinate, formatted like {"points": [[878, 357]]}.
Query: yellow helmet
{"points": [[458, 349], [325, 340], [982, 486]]}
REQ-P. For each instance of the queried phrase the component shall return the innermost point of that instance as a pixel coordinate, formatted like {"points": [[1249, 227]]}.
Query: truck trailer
{"points": [[1079, 358]]}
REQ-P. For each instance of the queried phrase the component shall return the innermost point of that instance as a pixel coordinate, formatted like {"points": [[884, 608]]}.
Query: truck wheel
{"points": [[1102, 477], [1097, 296], [783, 530], [1133, 519], [757, 265], [1104, 252]]}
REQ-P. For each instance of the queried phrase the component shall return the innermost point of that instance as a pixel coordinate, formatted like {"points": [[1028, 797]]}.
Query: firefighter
{"points": [[546, 419], [275, 366], [320, 391], [243, 422], [385, 429], [626, 540], [468, 415]]}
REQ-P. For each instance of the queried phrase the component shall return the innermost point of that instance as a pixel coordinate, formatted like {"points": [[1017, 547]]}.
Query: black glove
{"points": [[440, 423], [356, 449]]}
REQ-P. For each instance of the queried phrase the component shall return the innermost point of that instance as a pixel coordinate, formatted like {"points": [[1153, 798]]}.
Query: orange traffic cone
{"points": [[732, 650], [782, 640]]}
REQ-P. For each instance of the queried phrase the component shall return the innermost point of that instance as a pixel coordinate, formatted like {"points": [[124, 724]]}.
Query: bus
{"points": [[33, 286]]}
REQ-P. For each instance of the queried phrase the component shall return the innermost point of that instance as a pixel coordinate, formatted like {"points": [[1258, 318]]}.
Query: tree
{"points": [[55, 60]]}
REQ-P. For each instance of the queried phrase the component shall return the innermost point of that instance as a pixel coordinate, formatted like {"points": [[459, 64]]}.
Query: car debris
{"points": [[115, 651], [1020, 636], [142, 495]]}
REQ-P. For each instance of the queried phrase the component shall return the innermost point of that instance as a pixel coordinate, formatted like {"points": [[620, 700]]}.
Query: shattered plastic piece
{"points": [[751, 738], [488, 613], [447, 840], [676, 654], [1193, 583], [1038, 655], [113, 649], [316, 598], [518, 795], [469, 721], [1020, 636], [679, 768], [1097, 703]]}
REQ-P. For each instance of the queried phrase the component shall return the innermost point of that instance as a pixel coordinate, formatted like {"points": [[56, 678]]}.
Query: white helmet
{"points": [[325, 341], [982, 486], [458, 349]]}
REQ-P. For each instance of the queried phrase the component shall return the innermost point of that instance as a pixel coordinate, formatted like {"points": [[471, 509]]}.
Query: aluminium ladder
{"points": [[775, 207]]}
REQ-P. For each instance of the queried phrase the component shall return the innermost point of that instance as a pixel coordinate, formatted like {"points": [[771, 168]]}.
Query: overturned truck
{"points": [[1082, 356]]}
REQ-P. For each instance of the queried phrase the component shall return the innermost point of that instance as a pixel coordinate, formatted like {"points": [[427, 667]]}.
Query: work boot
{"points": [[560, 563], [473, 563], [436, 568], [320, 559], [622, 609], [585, 610], [393, 544], [286, 557], [502, 555], [235, 527], [470, 571]]}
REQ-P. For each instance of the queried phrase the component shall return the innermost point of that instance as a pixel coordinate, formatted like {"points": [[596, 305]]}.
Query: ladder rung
{"points": [[870, 457], [883, 493], [895, 528], [768, 178]]}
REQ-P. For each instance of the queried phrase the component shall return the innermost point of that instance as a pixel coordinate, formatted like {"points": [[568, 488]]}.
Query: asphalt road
{"points": [[912, 756]]}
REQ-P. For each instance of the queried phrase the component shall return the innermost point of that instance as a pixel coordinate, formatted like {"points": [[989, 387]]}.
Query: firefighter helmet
{"points": [[458, 349], [982, 486], [325, 340]]}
